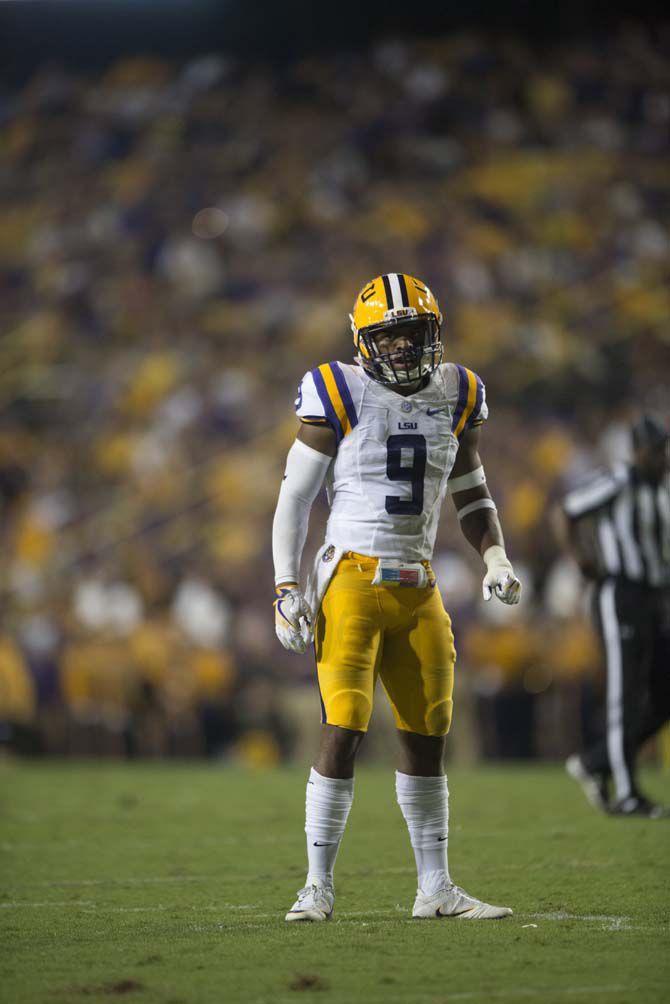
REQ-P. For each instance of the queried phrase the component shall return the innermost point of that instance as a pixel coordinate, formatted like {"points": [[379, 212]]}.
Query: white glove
{"points": [[293, 618], [500, 578]]}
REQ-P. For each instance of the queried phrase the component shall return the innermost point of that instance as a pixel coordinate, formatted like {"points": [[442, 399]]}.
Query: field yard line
{"points": [[615, 922], [537, 992], [50, 902], [464, 995], [248, 920], [563, 915], [89, 906]]}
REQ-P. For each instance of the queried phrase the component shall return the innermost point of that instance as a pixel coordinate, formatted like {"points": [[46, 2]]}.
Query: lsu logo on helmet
{"points": [[396, 325]]}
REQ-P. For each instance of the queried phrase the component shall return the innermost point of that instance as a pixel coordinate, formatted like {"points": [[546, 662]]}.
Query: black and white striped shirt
{"points": [[632, 523]]}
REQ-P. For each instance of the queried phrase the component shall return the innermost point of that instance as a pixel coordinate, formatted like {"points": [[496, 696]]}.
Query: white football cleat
{"points": [[314, 903], [452, 901]]}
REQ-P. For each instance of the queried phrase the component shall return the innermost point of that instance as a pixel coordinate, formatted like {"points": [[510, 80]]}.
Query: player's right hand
{"points": [[293, 618]]}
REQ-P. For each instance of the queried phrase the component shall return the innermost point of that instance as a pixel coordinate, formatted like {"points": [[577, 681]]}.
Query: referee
{"points": [[618, 528]]}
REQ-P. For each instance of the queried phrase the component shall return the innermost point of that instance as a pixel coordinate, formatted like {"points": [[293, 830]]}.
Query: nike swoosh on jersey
{"points": [[434, 411]]}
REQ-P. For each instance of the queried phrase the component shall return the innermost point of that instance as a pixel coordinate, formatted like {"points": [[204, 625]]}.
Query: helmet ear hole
{"points": [[362, 346]]}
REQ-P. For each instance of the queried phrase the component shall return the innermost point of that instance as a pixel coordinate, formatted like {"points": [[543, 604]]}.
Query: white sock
{"points": [[327, 805], [424, 802]]}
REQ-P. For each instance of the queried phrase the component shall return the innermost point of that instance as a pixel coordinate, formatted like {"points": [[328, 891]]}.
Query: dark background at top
{"points": [[88, 35]]}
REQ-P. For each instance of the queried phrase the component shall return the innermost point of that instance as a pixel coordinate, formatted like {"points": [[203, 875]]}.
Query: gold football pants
{"points": [[400, 633]]}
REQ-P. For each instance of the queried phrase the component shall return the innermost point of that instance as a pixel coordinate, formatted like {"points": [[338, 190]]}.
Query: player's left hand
{"points": [[293, 618], [500, 578]]}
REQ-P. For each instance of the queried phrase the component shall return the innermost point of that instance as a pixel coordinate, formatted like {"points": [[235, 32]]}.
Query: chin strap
{"points": [[384, 372]]}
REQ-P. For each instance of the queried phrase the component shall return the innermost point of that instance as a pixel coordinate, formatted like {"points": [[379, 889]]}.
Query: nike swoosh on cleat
{"points": [[326, 915]]}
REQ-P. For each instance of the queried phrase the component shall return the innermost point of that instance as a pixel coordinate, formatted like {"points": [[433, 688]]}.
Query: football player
{"points": [[390, 434]]}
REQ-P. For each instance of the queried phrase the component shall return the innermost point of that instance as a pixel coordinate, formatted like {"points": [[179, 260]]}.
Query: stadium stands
{"points": [[179, 243]]}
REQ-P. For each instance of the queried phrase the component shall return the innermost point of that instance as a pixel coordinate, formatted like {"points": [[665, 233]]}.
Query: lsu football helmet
{"points": [[387, 307]]}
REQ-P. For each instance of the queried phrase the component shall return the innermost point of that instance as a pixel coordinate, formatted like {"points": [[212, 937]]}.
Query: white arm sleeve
{"points": [[305, 471]]}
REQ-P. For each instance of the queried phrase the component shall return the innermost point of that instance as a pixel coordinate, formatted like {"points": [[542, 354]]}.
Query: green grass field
{"points": [[163, 883]]}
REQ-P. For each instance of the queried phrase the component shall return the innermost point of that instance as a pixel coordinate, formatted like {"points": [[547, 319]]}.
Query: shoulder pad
{"points": [[468, 399], [325, 396]]}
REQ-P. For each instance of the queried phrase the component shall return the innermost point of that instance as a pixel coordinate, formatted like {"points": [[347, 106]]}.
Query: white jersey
{"points": [[394, 454]]}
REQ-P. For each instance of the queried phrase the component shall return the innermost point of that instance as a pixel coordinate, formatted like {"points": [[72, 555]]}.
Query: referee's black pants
{"points": [[634, 623]]}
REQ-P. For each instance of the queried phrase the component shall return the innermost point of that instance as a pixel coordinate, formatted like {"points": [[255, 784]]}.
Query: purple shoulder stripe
{"points": [[462, 396], [331, 415], [478, 403], [345, 394]]}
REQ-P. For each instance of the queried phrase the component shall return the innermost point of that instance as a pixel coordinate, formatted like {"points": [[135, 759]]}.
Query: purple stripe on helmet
{"points": [[345, 394], [331, 414], [387, 290], [403, 289]]}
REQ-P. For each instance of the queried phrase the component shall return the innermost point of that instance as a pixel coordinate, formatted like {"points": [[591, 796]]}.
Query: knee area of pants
{"points": [[350, 709], [438, 718]]}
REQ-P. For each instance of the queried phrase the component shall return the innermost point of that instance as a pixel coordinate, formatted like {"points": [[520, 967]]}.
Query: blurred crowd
{"points": [[179, 243]]}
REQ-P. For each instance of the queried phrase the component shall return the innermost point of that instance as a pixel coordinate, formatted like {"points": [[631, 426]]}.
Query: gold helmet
{"points": [[395, 304]]}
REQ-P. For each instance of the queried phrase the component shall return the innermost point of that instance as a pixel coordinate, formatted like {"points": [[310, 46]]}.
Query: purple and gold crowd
{"points": [[180, 243]]}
